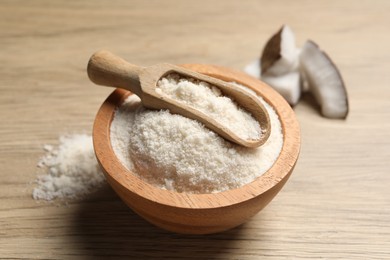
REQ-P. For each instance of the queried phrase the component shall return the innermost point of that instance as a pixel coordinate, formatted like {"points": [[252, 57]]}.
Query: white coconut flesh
{"points": [[288, 85], [253, 68]]}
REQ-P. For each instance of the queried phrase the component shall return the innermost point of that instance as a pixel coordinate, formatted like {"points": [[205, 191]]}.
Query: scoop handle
{"points": [[107, 69]]}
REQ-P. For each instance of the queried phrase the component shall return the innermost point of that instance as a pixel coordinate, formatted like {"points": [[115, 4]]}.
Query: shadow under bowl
{"points": [[199, 213]]}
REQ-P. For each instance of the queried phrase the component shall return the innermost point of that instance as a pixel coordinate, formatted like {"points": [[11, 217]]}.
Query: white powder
{"points": [[208, 99], [177, 153], [72, 169]]}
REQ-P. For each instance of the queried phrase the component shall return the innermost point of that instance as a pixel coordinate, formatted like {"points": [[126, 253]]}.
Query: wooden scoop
{"points": [[104, 68]]}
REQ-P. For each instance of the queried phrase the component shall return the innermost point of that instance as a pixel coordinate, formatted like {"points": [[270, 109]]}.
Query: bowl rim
{"points": [[284, 164]]}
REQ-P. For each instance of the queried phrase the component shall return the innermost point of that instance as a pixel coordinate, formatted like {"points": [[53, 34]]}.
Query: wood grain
{"points": [[336, 205]]}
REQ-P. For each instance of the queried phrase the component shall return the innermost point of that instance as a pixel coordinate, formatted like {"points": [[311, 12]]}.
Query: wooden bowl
{"points": [[199, 213]]}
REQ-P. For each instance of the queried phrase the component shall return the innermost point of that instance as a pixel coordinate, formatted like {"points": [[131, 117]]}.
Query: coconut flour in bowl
{"points": [[176, 153], [210, 100]]}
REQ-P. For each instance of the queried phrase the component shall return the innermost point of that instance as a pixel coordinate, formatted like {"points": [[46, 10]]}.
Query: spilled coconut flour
{"points": [[209, 99], [72, 169], [176, 153]]}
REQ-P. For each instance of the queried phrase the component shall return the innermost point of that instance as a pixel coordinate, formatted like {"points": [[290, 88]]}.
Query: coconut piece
{"points": [[288, 85], [253, 69], [324, 80], [280, 55]]}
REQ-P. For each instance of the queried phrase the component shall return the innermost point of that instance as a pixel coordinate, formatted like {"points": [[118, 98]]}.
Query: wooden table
{"points": [[337, 202]]}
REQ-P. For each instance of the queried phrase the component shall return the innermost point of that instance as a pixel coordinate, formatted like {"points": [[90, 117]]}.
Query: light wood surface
{"points": [[335, 205], [107, 69], [199, 213]]}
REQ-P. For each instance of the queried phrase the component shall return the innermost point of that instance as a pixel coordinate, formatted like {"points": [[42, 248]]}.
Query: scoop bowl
{"points": [[199, 213]]}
